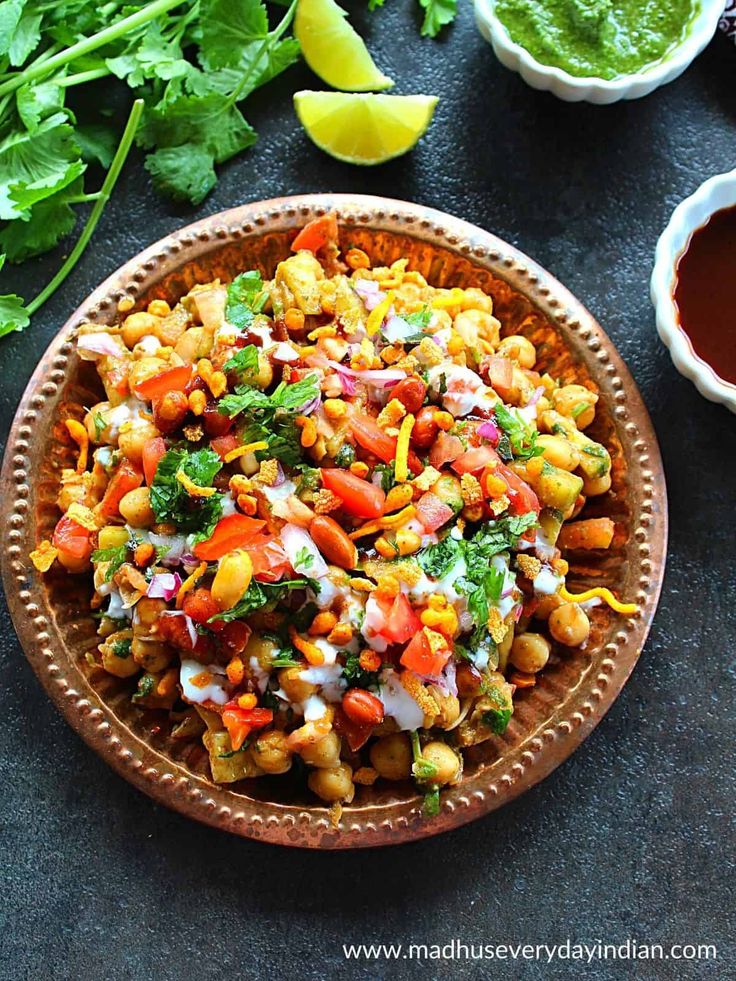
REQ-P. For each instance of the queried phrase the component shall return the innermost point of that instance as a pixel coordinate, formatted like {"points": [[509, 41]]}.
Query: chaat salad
{"points": [[325, 517]]}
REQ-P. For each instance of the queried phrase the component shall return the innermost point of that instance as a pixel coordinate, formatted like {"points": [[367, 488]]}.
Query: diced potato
{"points": [[557, 488], [228, 766]]}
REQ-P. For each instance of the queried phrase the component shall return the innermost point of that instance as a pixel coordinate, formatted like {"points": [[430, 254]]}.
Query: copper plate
{"points": [[51, 613]]}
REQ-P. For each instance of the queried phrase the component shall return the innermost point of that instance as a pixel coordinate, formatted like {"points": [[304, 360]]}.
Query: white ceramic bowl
{"points": [[597, 90], [717, 193]]}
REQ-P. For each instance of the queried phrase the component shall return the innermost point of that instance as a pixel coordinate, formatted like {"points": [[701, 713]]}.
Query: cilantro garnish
{"points": [[388, 475], [245, 299], [122, 648], [522, 436], [171, 502], [262, 594], [303, 559], [356, 676], [287, 398], [115, 556], [245, 361], [497, 719]]}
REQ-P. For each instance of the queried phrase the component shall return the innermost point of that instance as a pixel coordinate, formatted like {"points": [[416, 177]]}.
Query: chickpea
{"points": [[151, 655], [473, 325], [72, 563], [263, 649], [133, 437], [159, 308], [529, 652], [569, 625], [98, 412], [194, 344], [296, 690], [559, 452], [325, 753], [169, 411], [265, 373], [332, 783], [137, 325], [445, 759], [576, 402], [593, 486], [518, 348], [546, 605], [449, 707], [148, 613], [271, 753], [135, 507], [475, 299], [391, 756]]}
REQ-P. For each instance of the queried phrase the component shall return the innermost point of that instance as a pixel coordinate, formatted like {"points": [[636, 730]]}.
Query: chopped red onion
{"points": [[193, 635], [101, 343], [538, 393], [164, 585], [310, 406], [280, 476], [369, 292], [285, 352], [489, 430], [517, 613]]}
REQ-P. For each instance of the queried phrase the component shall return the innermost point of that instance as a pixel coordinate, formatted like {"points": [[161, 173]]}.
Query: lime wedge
{"points": [[334, 50], [364, 129]]}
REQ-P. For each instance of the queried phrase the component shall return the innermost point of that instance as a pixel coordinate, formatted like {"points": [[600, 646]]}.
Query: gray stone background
{"points": [[631, 837]]}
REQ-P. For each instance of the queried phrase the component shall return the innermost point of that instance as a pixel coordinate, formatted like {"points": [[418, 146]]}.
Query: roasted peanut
{"points": [[169, 411], [362, 707], [410, 392], [333, 542], [425, 428]]}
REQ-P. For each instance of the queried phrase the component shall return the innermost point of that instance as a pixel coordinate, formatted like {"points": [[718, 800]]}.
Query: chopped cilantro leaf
{"points": [[170, 501], [288, 398], [522, 435], [244, 361], [303, 560], [431, 803], [388, 475], [245, 298], [121, 648], [356, 676], [261, 594], [115, 556]]}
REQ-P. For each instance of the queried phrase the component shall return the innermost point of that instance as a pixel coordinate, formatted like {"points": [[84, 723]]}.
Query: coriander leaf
{"points": [[345, 456], [437, 560], [185, 173], [431, 803], [289, 398], [500, 535], [35, 165], [122, 648], [303, 559], [375, 4], [229, 26], [245, 298], [388, 475], [97, 143], [437, 13], [497, 719], [115, 556], [47, 223], [309, 480], [522, 435], [36, 102], [258, 595], [245, 361], [420, 319], [13, 314], [169, 499], [356, 676]]}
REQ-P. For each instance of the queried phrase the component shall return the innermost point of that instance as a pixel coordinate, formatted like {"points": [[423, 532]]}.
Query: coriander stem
{"points": [[148, 13], [81, 77], [104, 193], [272, 36]]}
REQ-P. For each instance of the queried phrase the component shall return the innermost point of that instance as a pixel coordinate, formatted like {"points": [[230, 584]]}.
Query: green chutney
{"points": [[598, 38]]}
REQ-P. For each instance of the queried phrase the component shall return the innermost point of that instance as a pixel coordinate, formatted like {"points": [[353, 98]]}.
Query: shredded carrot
{"points": [[194, 489], [378, 315], [310, 651], [402, 449], [79, 434], [246, 448], [387, 521], [190, 583], [605, 594]]}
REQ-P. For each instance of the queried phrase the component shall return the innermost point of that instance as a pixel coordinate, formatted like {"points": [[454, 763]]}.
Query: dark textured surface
{"points": [[633, 836]]}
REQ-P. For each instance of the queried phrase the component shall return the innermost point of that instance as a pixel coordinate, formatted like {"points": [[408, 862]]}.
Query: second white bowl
{"points": [[601, 91]]}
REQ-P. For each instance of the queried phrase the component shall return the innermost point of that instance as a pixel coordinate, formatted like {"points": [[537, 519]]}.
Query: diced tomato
{"points": [[357, 734], [239, 722], [316, 233], [222, 445], [72, 538], [522, 497], [372, 438], [153, 450], [401, 620], [270, 561], [500, 374], [418, 656], [234, 636], [128, 477], [174, 630], [433, 512], [215, 423], [445, 449], [171, 380], [234, 531], [475, 459], [199, 605], [359, 497]]}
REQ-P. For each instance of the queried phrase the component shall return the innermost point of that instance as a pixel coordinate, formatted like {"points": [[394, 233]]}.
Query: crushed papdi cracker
{"points": [[43, 557], [529, 565]]}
